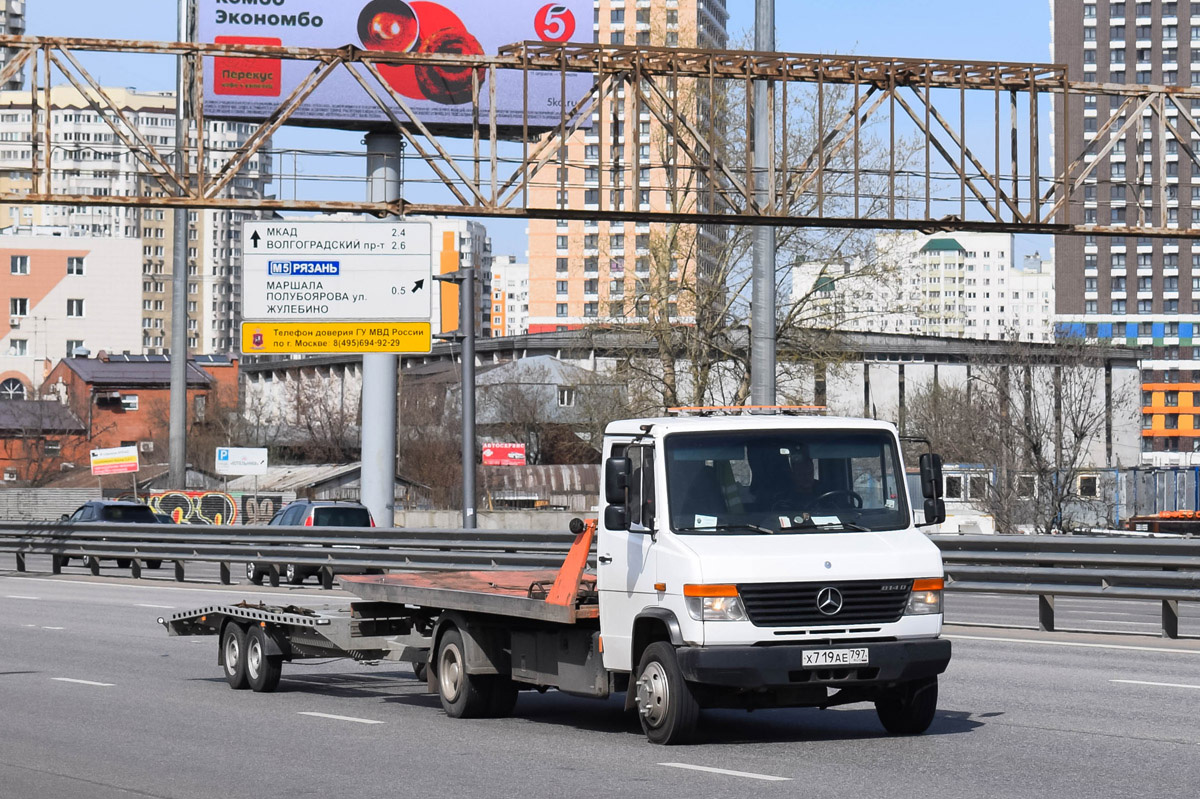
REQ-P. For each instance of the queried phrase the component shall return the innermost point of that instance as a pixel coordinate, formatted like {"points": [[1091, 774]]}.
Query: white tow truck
{"points": [[741, 561]]}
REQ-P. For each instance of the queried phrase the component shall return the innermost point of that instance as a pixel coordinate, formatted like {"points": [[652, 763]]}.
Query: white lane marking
{"points": [[14, 596], [53, 628], [340, 718], [143, 605], [1157, 684], [747, 774], [1073, 643], [84, 682]]}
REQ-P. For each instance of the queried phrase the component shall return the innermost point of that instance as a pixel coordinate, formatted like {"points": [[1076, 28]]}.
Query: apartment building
{"points": [[1135, 290], [964, 285], [12, 22], [583, 272], [63, 294], [87, 158], [510, 296]]}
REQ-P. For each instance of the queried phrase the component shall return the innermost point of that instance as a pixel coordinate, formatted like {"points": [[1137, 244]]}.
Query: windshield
{"points": [[785, 481]]}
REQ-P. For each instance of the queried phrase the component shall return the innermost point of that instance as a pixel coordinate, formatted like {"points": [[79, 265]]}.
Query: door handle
{"points": [[604, 559]]}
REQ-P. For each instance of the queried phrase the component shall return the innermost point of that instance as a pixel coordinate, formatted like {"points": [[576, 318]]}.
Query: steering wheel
{"points": [[852, 499]]}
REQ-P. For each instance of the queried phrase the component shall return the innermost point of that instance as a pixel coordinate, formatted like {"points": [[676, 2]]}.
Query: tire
{"points": [[421, 671], [86, 560], [909, 708], [262, 670], [464, 696], [295, 575], [666, 707], [124, 563], [154, 564], [254, 574], [233, 648]]}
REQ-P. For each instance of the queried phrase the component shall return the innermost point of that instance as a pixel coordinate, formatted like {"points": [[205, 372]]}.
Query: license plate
{"points": [[816, 658]]}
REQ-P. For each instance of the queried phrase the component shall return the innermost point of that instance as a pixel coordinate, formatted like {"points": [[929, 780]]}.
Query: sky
{"points": [[981, 30]]}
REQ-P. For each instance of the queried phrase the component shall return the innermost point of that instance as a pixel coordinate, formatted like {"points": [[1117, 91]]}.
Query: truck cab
{"points": [[767, 562]]}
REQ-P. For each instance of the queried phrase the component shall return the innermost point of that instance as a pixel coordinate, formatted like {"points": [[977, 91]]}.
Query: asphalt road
{"points": [[98, 702]]}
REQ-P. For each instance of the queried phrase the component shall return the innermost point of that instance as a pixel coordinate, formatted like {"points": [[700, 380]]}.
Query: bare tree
{"points": [[1036, 417]]}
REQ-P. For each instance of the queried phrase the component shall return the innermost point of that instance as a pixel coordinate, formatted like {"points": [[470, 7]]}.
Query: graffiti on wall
{"points": [[215, 507]]}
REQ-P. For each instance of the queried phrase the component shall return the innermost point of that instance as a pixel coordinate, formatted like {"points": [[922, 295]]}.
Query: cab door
{"points": [[626, 565]]}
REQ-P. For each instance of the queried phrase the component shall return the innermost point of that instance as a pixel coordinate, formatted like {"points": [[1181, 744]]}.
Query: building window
{"points": [[51, 447], [561, 264], [12, 389], [74, 308], [1089, 486], [74, 265], [72, 345], [560, 309], [561, 242], [18, 306], [19, 264], [560, 287], [566, 396], [18, 346]]}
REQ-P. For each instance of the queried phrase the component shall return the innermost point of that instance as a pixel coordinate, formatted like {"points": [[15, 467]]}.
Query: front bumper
{"points": [[767, 666]]}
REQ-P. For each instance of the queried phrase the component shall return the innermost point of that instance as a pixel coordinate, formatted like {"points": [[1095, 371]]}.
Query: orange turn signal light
{"points": [[660, 586], [710, 590], [929, 584]]}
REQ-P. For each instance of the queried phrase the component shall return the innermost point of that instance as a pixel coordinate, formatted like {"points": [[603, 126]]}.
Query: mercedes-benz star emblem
{"points": [[829, 601]]}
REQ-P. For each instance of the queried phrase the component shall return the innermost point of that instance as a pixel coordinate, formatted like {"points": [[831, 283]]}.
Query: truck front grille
{"points": [[809, 604]]}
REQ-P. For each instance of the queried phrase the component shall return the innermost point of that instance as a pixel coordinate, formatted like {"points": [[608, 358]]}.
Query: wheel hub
{"points": [[450, 673], [233, 653], [254, 658], [653, 694]]}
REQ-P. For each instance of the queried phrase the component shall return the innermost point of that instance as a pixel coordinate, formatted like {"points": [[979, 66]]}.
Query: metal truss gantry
{"points": [[855, 142]]}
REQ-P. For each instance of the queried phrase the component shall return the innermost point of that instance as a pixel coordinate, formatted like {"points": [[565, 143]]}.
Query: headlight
{"points": [[926, 597], [716, 608]]}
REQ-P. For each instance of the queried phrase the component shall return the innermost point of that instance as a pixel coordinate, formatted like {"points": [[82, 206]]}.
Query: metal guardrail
{"points": [[326, 548], [1049, 566], [1165, 570]]}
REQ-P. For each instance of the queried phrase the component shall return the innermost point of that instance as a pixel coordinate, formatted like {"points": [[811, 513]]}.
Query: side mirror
{"points": [[64, 517], [616, 517], [935, 511], [931, 477], [616, 481]]}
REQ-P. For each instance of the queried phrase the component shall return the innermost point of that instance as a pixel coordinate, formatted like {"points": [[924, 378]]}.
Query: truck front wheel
{"points": [[666, 706], [908, 709], [464, 696]]}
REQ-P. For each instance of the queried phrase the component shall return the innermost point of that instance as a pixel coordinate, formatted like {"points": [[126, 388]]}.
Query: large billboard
{"points": [[253, 88]]}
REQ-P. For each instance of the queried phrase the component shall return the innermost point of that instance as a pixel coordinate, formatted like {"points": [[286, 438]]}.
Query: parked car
{"points": [[311, 513], [112, 511]]}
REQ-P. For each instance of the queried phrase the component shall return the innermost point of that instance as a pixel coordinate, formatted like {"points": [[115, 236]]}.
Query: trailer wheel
{"points": [[666, 706], [253, 574], [262, 670], [464, 696], [233, 651], [909, 708]]}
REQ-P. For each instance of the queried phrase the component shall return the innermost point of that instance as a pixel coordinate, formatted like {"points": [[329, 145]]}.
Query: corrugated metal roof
{"points": [[560, 479], [299, 476], [133, 373], [43, 416]]}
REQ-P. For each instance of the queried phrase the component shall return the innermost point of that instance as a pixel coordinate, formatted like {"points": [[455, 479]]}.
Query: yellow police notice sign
{"points": [[289, 338]]}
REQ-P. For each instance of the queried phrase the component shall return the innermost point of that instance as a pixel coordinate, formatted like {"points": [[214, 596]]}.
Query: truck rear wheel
{"points": [[262, 670], [909, 708], [464, 696], [666, 706], [233, 656]]}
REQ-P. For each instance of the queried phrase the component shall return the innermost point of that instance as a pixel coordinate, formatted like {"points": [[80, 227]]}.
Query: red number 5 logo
{"points": [[554, 23]]}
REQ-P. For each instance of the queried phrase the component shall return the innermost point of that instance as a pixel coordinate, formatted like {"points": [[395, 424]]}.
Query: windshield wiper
{"points": [[725, 528], [844, 525]]}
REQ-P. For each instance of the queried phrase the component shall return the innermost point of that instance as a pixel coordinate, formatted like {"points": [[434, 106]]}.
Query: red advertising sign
{"points": [[503, 454], [436, 93]]}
